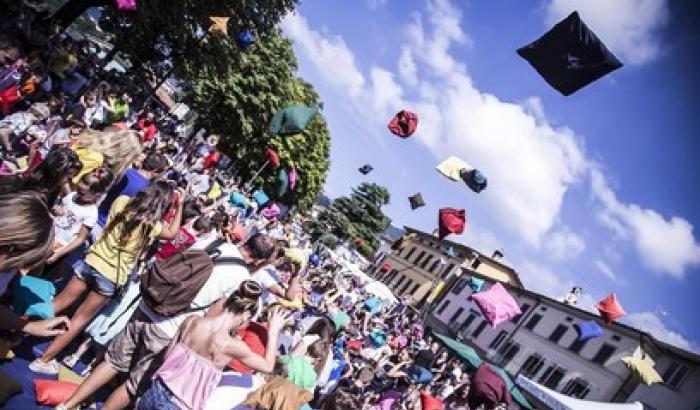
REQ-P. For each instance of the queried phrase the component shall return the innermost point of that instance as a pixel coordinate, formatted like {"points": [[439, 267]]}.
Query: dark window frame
{"points": [[558, 333], [533, 321], [604, 354]]}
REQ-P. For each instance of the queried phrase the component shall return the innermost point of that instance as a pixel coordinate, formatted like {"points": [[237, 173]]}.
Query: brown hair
{"points": [[245, 298], [27, 230]]}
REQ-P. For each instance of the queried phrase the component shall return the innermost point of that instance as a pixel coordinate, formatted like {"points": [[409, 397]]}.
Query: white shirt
{"points": [[267, 277], [73, 218], [224, 280]]}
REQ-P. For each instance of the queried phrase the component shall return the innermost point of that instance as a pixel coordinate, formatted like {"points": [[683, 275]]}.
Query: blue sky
{"points": [[596, 189]]}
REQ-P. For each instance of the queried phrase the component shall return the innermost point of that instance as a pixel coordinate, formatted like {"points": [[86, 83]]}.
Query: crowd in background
{"points": [[103, 195]]}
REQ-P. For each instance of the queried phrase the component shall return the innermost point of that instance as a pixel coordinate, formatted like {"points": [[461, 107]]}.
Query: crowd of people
{"points": [[169, 276]]}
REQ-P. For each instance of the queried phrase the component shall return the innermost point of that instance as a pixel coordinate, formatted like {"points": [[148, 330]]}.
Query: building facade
{"points": [[542, 345], [426, 262]]}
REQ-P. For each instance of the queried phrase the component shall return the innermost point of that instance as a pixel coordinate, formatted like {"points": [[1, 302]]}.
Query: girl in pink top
{"points": [[202, 348]]}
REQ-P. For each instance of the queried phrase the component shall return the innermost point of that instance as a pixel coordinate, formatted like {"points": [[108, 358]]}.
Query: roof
{"points": [[467, 250]]}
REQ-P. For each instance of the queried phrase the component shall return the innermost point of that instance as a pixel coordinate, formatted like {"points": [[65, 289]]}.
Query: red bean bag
{"points": [[404, 124], [53, 392]]}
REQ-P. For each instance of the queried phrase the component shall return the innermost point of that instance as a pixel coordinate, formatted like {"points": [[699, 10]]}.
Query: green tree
{"points": [[239, 105], [358, 216], [162, 35]]}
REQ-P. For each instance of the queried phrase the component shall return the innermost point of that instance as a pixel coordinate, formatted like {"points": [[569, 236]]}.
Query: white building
{"points": [[542, 345]]}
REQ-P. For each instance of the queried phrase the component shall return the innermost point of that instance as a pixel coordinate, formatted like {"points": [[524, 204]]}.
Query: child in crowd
{"points": [[133, 225], [76, 215]]}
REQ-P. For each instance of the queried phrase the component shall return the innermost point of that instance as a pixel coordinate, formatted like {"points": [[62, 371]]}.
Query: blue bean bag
{"points": [[588, 330], [33, 297], [378, 338], [420, 375], [373, 304], [476, 284], [238, 200]]}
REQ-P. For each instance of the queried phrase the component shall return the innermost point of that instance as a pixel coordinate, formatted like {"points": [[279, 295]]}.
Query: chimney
{"points": [[497, 255]]}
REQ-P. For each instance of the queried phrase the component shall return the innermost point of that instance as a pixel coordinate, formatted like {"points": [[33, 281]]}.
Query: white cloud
{"points": [[407, 67], [374, 4], [630, 28], [664, 245], [605, 270], [330, 54], [651, 323], [564, 245]]}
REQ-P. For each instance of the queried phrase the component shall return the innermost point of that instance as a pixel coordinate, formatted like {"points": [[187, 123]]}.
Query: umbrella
{"points": [[451, 220], [272, 157], [570, 56], [416, 201], [292, 120], [557, 401], [293, 177], [365, 169], [404, 123], [466, 353]]}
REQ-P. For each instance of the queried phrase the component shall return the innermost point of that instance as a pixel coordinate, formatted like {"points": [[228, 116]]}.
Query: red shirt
{"points": [[180, 243], [149, 130]]}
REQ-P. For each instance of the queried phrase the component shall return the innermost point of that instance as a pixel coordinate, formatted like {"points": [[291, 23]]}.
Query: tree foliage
{"points": [[358, 216], [240, 104]]}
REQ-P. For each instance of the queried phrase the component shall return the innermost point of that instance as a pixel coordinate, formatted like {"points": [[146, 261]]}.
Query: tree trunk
{"points": [[73, 9]]}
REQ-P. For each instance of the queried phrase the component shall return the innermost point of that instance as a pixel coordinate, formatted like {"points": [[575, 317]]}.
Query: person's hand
{"points": [[53, 258], [278, 316], [47, 327]]}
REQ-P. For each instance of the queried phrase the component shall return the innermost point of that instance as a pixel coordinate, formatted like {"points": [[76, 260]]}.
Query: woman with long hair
{"points": [[133, 225], [115, 149], [27, 236], [50, 178]]}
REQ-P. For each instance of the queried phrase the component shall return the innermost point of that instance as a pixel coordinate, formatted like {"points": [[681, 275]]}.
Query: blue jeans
{"points": [[95, 281], [157, 397]]}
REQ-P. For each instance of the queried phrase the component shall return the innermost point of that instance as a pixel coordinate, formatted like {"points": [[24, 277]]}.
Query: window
{"points": [[459, 286], [418, 259], [399, 282], [532, 366], [405, 286], [543, 309], [674, 375], [569, 319], [467, 322], [509, 350], [498, 339], [443, 307], [447, 270], [479, 329], [434, 266], [577, 388], [455, 316], [523, 310], [534, 320], [476, 264], [415, 288], [410, 253], [616, 338], [426, 261], [558, 333], [577, 345], [604, 354], [552, 376]]}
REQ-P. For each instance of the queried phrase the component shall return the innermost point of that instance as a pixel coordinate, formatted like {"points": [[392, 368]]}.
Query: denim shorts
{"points": [[95, 281], [157, 397]]}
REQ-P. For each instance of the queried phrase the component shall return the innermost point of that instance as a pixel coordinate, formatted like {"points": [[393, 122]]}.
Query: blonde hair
{"points": [[120, 148]]}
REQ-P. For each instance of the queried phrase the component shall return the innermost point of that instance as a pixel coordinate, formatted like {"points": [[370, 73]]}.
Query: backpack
{"points": [[170, 286]]}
